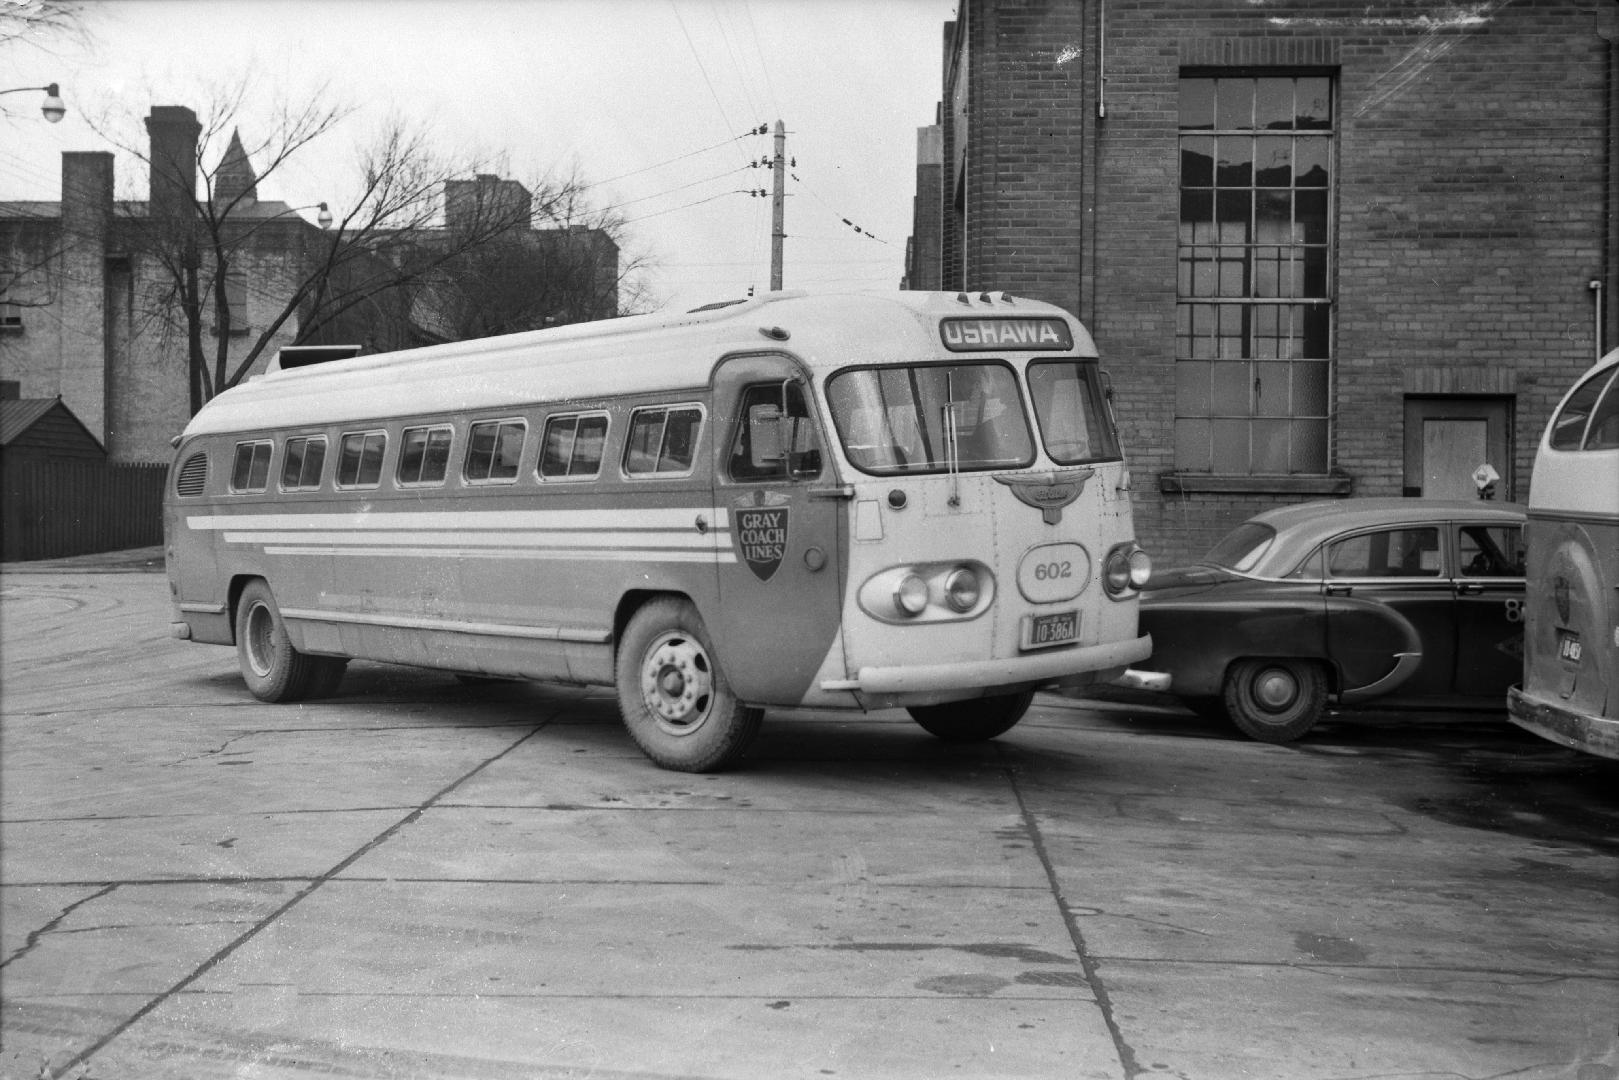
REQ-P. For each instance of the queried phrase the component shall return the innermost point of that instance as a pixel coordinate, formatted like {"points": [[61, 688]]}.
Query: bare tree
{"points": [[385, 245], [34, 21]]}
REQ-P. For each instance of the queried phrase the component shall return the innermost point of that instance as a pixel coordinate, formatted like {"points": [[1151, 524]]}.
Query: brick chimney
{"points": [[172, 131], [87, 183], [480, 203]]}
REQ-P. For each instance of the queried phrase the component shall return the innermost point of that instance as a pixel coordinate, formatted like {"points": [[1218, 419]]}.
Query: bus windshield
{"points": [[901, 419]]}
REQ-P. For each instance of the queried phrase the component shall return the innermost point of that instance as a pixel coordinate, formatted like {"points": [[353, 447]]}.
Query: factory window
{"points": [[1253, 362]]}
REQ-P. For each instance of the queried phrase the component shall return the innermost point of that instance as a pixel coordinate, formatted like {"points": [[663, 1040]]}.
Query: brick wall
{"points": [[1472, 189]]}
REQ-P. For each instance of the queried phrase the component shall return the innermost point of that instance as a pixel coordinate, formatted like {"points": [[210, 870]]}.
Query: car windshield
{"points": [[1242, 547], [900, 419]]}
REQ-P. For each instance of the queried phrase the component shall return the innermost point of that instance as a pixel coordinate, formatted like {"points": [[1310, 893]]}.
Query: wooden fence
{"points": [[50, 509]]}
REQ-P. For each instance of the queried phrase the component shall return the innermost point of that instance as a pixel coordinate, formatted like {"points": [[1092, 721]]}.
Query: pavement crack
{"points": [[1088, 963], [35, 936]]}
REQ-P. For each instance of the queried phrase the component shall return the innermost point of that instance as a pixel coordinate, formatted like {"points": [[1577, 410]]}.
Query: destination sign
{"points": [[1005, 333]]}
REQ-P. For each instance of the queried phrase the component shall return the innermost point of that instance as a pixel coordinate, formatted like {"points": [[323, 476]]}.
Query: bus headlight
{"points": [[911, 595], [1126, 569], [930, 592], [961, 589]]}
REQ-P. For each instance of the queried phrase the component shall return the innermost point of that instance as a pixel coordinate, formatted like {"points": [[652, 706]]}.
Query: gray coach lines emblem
{"points": [[760, 531], [1048, 492]]}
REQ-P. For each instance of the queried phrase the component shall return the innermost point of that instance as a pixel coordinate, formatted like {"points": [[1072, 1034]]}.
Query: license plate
{"points": [[1045, 631], [1568, 646]]}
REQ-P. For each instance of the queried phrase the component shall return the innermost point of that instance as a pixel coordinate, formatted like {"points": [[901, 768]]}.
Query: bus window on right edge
{"points": [[1073, 418]]}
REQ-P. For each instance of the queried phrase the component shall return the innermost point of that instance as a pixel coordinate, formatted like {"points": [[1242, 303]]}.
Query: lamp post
{"points": [[52, 107]]}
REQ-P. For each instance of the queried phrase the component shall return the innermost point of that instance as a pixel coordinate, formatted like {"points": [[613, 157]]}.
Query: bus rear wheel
{"points": [[974, 720], [273, 670], [675, 701]]}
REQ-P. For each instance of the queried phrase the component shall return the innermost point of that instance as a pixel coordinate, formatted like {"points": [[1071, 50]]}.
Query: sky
{"points": [[648, 101]]}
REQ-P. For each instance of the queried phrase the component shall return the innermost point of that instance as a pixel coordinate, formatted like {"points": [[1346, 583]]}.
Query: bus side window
{"points": [[302, 462], [572, 446], [424, 455], [494, 448], [359, 460], [251, 471], [770, 445], [662, 441]]}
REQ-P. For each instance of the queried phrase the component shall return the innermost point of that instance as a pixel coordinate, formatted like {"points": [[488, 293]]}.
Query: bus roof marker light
{"points": [[774, 333]]}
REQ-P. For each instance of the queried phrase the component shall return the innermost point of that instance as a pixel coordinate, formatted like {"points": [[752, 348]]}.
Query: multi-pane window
{"points": [[301, 462], [359, 459], [251, 470], [1253, 291], [424, 455], [494, 448], [662, 441], [573, 446]]}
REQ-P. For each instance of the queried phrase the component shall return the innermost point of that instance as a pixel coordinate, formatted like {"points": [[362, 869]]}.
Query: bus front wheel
{"points": [[273, 670], [974, 720], [676, 702]]}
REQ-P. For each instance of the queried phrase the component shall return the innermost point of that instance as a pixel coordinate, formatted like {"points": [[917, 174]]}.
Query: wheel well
{"points": [[630, 603], [237, 584]]}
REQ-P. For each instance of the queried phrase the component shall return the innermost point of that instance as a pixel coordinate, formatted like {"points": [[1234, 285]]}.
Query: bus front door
{"points": [[781, 577]]}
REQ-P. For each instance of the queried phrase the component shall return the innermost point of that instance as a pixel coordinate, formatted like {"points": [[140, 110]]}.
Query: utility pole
{"points": [[778, 213]]}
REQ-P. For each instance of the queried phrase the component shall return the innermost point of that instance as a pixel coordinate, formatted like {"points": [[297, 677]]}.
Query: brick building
{"points": [[86, 306], [1326, 249]]}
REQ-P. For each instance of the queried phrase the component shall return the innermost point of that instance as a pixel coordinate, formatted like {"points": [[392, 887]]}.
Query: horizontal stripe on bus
{"points": [[639, 520], [409, 622], [689, 540], [639, 555]]}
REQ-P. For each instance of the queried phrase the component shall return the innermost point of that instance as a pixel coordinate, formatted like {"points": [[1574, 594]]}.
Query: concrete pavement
{"points": [[416, 878]]}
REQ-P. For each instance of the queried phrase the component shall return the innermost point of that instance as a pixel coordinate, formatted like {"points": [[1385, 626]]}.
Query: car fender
{"points": [[1373, 648], [1197, 637]]}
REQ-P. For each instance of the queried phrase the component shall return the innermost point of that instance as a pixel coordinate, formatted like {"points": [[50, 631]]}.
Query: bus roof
{"points": [[640, 353]]}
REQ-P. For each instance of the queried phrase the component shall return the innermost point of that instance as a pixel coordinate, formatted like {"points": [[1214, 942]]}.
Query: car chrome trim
{"points": [[1405, 665], [1136, 679]]}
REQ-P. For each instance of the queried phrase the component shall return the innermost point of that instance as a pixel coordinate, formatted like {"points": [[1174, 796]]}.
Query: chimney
{"points": [[486, 203], [87, 187], [172, 131]]}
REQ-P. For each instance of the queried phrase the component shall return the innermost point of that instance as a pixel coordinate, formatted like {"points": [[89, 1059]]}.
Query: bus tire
{"points": [[273, 670], [675, 700], [973, 720], [1275, 701]]}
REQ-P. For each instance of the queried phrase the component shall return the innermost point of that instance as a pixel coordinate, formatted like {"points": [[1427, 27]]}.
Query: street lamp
{"points": [[52, 106], [324, 218]]}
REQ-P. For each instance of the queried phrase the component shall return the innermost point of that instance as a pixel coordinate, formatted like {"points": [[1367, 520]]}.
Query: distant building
{"points": [[85, 310], [1325, 249]]}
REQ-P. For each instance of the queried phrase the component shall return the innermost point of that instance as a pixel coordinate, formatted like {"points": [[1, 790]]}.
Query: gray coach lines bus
{"points": [[858, 501], [1570, 691]]}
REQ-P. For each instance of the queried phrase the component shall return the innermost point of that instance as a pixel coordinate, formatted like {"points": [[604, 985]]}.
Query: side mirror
{"points": [[765, 435]]}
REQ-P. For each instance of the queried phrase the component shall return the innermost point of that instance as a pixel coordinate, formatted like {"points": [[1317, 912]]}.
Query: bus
{"points": [[901, 500], [1570, 688]]}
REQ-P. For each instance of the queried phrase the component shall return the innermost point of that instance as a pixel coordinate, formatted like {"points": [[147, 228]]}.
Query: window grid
{"points": [[1253, 311]]}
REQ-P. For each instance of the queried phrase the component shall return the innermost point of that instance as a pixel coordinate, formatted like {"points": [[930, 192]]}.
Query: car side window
{"points": [[1408, 552], [1490, 550]]}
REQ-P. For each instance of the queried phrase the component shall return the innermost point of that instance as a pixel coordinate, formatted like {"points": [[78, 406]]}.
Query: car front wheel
{"points": [[1275, 701]]}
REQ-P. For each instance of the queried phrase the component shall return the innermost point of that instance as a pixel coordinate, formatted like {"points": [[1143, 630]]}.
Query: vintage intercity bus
{"points": [[855, 501], [1570, 690]]}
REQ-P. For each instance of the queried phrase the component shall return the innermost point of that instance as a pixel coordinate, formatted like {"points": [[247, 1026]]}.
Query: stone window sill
{"points": [[1172, 483]]}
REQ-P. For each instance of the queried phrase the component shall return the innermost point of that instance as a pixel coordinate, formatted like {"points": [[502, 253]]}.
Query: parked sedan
{"points": [[1344, 601]]}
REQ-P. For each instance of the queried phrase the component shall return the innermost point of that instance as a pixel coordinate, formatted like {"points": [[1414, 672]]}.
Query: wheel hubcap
{"points": [[260, 639], [1275, 689], [677, 683]]}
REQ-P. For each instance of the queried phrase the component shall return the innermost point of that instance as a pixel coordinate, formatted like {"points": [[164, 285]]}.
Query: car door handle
{"points": [[1469, 588], [1339, 590]]}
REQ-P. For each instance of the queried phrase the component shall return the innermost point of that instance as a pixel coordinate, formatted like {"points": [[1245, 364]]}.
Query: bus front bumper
{"points": [[913, 683], [1593, 734]]}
